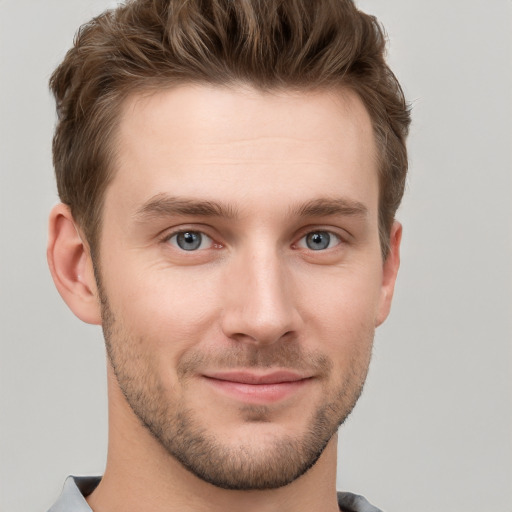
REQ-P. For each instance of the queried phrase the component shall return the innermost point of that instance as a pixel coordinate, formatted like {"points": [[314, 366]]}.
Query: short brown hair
{"points": [[269, 44]]}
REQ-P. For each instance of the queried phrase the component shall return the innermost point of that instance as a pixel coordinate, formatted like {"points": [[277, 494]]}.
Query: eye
{"points": [[190, 240], [319, 240]]}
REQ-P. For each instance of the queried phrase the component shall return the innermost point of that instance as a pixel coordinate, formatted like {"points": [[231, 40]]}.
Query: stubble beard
{"points": [[183, 436]]}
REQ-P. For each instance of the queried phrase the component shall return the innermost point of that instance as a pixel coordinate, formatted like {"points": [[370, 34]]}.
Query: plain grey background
{"points": [[433, 430]]}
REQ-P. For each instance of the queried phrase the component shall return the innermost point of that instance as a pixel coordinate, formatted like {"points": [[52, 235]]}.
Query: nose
{"points": [[260, 306]]}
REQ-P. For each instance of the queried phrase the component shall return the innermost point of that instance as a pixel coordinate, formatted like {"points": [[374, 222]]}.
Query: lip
{"points": [[257, 388]]}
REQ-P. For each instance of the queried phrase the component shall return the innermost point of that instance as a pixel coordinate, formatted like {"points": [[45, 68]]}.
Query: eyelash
{"points": [[169, 236], [330, 234]]}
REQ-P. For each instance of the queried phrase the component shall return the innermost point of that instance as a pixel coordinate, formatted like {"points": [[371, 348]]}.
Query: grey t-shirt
{"points": [[76, 488]]}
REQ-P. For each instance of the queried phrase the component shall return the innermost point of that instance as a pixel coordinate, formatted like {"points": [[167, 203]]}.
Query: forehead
{"points": [[231, 142]]}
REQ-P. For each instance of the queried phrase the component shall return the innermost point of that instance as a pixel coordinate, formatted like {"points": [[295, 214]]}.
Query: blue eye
{"points": [[319, 240], [190, 240]]}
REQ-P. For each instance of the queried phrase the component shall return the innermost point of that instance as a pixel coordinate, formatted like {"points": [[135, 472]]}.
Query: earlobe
{"points": [[71, 267], [389, 273]]}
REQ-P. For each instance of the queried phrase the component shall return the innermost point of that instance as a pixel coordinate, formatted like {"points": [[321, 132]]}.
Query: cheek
{"points": [[339, 313], [169, 308], [345, 299]]}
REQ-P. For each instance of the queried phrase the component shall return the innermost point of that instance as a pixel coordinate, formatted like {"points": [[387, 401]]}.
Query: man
{"points": [[229, 174]]}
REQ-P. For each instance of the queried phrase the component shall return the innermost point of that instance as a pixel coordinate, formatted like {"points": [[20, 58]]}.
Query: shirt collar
{"points": [[73, 494], [76, 488]]}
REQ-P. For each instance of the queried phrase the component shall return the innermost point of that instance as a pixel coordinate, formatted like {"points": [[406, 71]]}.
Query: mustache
{"points": [[285, 355]]}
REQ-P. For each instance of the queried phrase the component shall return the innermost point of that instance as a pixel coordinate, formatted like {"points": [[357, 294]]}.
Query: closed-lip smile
{"points": [[254, 387]]}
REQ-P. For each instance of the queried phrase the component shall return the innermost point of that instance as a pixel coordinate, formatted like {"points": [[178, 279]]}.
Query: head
{"points": [[232, 170]]}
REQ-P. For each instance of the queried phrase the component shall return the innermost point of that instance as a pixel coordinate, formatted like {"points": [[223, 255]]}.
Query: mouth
{"points": [[258, 388]]}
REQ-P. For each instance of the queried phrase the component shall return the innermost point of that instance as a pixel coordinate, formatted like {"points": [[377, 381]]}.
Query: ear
{"points": [[389, 273], [71, 267]]}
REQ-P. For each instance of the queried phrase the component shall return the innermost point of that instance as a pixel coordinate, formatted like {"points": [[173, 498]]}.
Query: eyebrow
{"points": [[325, 207], [163, 205]]}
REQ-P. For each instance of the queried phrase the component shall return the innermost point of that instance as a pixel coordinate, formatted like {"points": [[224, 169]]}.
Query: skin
{"points": [[255, 298]]}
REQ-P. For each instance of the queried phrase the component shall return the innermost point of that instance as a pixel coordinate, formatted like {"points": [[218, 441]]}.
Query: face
{"points": [[241, 274]]}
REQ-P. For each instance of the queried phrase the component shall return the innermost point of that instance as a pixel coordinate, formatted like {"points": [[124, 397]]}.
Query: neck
{"points": [[140, 475]]}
